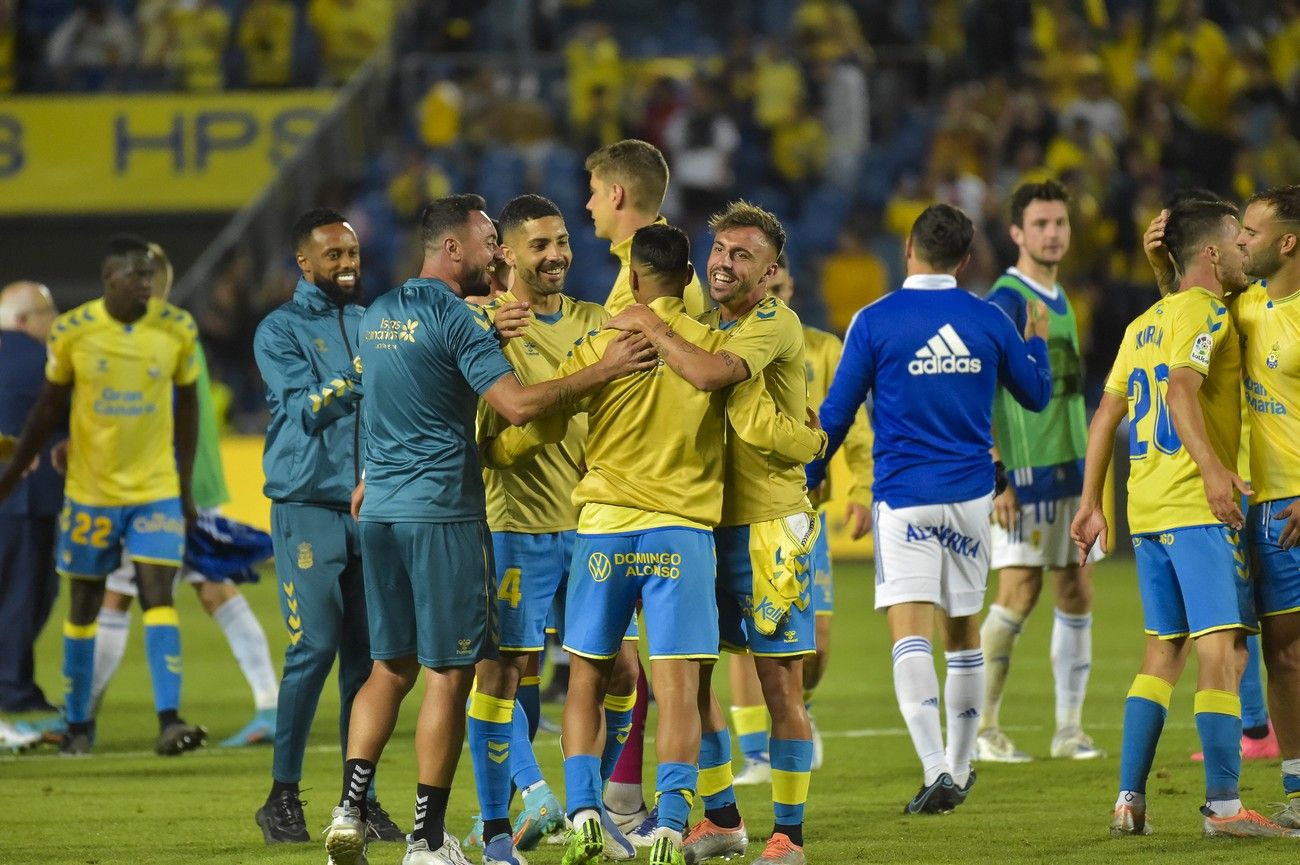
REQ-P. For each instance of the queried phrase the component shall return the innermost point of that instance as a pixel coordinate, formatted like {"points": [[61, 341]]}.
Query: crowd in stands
{"points": [[844, 117], [198, 46]]}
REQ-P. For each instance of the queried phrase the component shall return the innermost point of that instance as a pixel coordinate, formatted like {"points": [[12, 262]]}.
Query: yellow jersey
{"points": [[763, 486], [822, 352], [1189, 328], [620, 296], [655, 443], [532, 492], [121, 450], [1270, 331]]}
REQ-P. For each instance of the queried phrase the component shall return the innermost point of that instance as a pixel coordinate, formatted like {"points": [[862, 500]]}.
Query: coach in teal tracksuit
{"points": [[306, 351]]}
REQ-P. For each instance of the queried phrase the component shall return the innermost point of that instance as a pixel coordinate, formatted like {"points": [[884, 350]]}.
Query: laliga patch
{"points": [[1201, 349]]}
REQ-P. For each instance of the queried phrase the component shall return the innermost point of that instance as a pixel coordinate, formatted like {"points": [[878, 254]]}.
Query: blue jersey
{"points": [[932, 356], [426, 356]]}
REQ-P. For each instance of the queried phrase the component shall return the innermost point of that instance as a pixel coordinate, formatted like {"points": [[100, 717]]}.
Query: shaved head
{"points": [[29, 307]]}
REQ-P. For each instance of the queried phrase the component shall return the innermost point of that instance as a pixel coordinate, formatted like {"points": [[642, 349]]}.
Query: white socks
{"points": [[248, 644], [1071, 664], [963, 689], [114, 626], [916, 686], [998, 637]]}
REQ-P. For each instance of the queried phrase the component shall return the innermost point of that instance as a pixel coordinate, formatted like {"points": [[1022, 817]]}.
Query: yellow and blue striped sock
{"points": [[751, 729], [78, 670], [162, 646], [618, 725], [715, 771], [1145, 711], [791, 773], [489, 732], [1218, 721]]}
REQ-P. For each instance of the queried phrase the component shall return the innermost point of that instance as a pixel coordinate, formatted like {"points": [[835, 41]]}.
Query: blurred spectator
{"points": [[1192, 58], [594, 66], [1103, 113], [845, 114], [266, 38], [438, 114], [348, 32], [93, 48], [778, 86], [8, 45], [800, 148], [851, 278], [201, 29], [662, 102], [701, 142]]}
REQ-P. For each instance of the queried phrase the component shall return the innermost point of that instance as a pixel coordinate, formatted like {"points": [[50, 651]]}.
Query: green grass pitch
{"points": [[125, 805]]}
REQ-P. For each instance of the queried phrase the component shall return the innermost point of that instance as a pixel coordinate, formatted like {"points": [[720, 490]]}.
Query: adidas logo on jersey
{"points": [[944, 353]]}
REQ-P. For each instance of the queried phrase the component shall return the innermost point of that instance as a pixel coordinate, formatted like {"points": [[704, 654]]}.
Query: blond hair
{"points": [[742, 214], [638, 167]]}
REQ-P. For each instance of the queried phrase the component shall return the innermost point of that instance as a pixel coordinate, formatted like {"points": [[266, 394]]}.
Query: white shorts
{"points": [[123, 582], [934, 554], [1040, 537]]}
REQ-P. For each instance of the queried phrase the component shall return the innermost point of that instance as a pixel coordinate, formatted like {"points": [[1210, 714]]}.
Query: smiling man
{"points": [[306, 352]]}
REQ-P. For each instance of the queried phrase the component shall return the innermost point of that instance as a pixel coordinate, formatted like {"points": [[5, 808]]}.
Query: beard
{"points": [[476, 283], [1264, 265], [341, 295]]}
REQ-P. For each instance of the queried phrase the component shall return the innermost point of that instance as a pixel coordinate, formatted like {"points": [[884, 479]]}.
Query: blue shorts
{"points": [[670, 569], [796, 635], [1193, 581], [1276, 571], [91, 539], [430, 592], [530, 573], [555, 620], [823, 585]]}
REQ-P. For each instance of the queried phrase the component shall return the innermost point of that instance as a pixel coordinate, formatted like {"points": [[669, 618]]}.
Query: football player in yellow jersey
{"points": [[1177, 378], [127, 364], [652, 492], [1268, 317], [529, 489], [628, 181], [748, 712], [768, 527]]}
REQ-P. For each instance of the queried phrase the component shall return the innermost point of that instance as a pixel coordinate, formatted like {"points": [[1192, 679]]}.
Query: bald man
{"points": [[28, 518]]}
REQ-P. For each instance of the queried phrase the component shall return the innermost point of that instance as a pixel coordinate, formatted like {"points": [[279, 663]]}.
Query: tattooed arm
{"points": [[707, 370]]}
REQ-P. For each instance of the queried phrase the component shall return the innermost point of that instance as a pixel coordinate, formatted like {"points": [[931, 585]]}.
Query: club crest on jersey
{"points": [[598, 566], [320, 344], [305, 558], [1201, 349], [1271, 360], [945, 352]]}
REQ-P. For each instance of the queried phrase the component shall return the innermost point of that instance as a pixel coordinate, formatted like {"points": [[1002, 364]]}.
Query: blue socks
{"points": [[162, 646], [490, 731], [78, 670], [1145, 711]]}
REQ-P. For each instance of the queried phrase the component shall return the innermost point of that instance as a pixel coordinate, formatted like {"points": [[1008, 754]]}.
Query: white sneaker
{"points": [[13, 739], [757, 771], [627, 822], [418, 852], [818, 751], [1074, 744], [345, 837], [993, 746]]}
